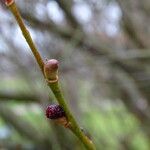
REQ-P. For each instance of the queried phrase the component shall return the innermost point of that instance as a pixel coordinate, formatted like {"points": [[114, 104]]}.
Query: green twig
{"points": [[53, 85], [26, 34], [74, 126]]}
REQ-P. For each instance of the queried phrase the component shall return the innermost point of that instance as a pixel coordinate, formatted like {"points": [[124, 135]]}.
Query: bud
{"points": [[56, 113], [51, 70], [9, 2]]}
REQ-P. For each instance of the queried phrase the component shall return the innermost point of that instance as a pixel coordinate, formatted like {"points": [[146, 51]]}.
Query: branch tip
{"points": [[9, 2]]}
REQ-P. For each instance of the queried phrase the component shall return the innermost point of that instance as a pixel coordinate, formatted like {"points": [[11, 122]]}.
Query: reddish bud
{"points": [[51, 69], [55, 112], [9, 2]]}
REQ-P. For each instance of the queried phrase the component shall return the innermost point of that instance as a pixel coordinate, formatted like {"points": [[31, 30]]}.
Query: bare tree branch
{"points": [[66, 6], [24, 127], [22, 97], [133, 99]]}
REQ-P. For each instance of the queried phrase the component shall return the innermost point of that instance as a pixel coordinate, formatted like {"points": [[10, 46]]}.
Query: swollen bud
{"points": [[51, 70], [9, 2], [56, 113]]}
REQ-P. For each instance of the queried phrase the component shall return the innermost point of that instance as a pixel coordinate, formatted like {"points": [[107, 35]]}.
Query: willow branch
{"points": [[53, 85], [26, 34], [74, 126]]}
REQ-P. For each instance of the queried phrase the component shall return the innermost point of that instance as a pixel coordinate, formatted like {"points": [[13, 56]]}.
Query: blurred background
{"points": [[103, 47]]}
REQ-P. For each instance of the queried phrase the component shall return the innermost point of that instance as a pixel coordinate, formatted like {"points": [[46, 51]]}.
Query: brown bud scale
{"points": [[51, 70]]}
